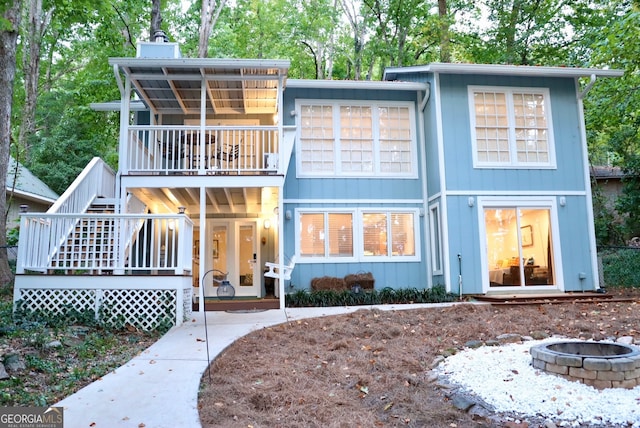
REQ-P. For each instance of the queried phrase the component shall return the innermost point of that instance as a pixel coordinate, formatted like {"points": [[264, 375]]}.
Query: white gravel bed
{"points": [[503, 377]]}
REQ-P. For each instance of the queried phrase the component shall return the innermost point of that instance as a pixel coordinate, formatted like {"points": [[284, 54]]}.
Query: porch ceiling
{"points": [[173, 85], [228, 200]]}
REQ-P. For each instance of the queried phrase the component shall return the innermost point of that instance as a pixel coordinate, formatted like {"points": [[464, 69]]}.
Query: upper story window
{"points": [[511, 127], [356, 139]]}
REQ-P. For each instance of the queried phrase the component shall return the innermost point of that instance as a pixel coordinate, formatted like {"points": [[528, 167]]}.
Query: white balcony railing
{"points": [[116, 243], [190, 150]]}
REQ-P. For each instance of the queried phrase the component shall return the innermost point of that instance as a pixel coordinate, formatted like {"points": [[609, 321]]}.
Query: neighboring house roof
{"points": [[391, 73], [606, 172], [28, 185]]}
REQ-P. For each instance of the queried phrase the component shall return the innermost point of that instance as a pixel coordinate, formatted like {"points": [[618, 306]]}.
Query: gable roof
{"points": [[28, 185], [391, 73]]}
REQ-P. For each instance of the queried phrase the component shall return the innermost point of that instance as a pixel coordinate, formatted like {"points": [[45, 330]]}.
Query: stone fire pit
{"points": [[599, 364]]}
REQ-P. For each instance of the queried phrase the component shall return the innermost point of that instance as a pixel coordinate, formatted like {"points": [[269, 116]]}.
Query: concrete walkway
{"points": [[159, 387]]}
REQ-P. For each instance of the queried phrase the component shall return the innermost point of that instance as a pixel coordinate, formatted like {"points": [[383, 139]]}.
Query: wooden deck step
{"points": [[529, 299], [238, 304]]}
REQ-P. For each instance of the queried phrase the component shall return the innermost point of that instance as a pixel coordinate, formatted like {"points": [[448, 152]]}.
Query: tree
{"points": [[612, 108], [9, 29], [358, 33], [443, 14], [156, 19], [36, 24], [208, 17]]}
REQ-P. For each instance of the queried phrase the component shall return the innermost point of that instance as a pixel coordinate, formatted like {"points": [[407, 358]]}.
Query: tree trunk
{"points": [[445, 49], [156, 20], [208, 17], [8, 46], [37, 24], [510, 33], [358, 36]]}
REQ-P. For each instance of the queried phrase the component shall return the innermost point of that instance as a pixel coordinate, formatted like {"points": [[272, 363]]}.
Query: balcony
{"points": [[190, 150]]}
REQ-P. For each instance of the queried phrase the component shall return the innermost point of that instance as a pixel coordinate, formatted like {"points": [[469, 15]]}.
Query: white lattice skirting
{"points": [[143, 309]]}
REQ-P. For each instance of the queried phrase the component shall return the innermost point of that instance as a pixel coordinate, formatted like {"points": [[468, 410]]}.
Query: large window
{"points": [[356, 139], [358, 235], [519, 243], [511, 127], [326, 235], [388, 234]]}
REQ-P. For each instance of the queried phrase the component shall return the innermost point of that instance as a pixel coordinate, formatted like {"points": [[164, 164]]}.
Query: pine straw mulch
{"points": [[371, 367]]}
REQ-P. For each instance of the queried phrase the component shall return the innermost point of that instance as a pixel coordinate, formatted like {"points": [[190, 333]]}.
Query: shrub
{"points": [[324, 298], [621, 267]]}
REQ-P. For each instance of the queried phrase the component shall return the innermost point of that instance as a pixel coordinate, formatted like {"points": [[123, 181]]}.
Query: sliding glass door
{"points": [[519, 246]]}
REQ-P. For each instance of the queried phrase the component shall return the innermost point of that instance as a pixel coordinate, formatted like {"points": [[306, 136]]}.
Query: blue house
{"points": [[474, 177]]}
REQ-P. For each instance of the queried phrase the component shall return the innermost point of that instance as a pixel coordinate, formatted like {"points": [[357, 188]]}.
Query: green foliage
{"points": [[620, 267], [13, 235], [85, 353], [387, 295], [609, 230], [67, 315]]}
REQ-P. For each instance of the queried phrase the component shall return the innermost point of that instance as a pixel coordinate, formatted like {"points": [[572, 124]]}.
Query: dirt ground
{"points": [[371, 368]]}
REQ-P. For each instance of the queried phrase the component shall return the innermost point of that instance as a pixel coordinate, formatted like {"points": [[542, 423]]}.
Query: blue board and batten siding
{"points": [[566, 179], [445, 125], [460, 174], [326, 193]]}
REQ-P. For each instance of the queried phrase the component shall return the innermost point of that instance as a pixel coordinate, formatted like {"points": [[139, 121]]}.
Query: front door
{"points": [[234, 251]]}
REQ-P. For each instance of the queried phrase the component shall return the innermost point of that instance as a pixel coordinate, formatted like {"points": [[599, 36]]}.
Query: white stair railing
{"points": [[103, 242]]}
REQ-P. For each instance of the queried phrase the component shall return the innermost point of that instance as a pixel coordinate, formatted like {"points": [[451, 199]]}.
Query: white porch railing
{"points": [[186, 149], [97, 179], [103, 242]]}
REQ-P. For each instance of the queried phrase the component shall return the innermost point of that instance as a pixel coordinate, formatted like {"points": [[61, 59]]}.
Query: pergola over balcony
{"points": [[232, 86]]}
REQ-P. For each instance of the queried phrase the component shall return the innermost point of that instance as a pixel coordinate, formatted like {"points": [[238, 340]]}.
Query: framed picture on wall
{"points": [[215, 249], [527, 235]]}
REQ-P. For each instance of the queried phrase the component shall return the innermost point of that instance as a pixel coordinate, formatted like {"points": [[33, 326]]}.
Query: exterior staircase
{"points": [[90, 246]]}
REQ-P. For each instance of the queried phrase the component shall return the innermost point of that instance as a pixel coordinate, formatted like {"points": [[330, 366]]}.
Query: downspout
{"points": [[427, 95], [425, 195], [444, 214], [588, 191], [588, 87], [281, 238]]}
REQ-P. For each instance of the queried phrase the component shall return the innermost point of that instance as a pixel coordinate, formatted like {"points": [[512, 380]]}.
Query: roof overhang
{"points": [[31, 196], [115, 106], [232, 86], [357, 84], [392, 73]]}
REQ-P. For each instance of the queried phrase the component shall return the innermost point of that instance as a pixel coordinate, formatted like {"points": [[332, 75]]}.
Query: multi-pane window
{"points": [[511, 127], [388, 234], [316, 130], [395, 140], [358, 235], [350, 139], [356, 138], [326, 234]]}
